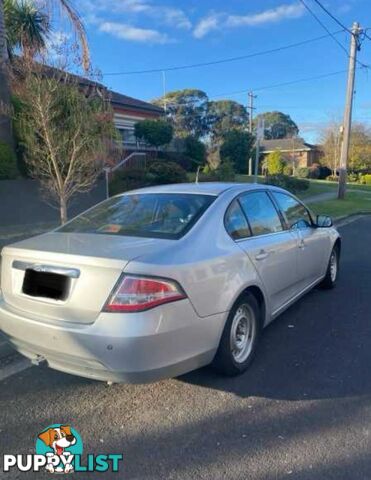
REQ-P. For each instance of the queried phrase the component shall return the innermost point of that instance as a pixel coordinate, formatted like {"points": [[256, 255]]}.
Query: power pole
{"points": [[251, 109], [164, 90], [347, 123]]}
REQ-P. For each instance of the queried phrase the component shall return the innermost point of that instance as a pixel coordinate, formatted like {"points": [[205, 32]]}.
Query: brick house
{"points": [[127, 112], [295, 151]]}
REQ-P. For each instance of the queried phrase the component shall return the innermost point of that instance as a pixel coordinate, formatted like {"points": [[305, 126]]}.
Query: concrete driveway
{"points": [[302, 411]]}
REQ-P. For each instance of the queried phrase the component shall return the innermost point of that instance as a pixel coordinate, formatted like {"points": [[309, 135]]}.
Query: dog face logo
{"points": [[59, 443], [58, 438]]}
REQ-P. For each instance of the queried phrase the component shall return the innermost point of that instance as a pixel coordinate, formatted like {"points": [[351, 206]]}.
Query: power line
{"points": [[266, 87], [291, 82], [318, 20], [363, 65], [224, 60], [333, 16]]}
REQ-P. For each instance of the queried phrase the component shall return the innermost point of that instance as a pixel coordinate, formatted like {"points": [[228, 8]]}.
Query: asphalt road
{"points": [[302, 411]]}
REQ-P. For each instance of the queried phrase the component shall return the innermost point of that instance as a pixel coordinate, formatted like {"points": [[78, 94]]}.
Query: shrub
{"points": [[224, 173], [314, 172], [129, 179], [275, 163], [195, 150], [237, 148], [302, 172], [365, 179], [288, 170], [161, 173], [154, 132], [8, 162], [353, 177], [292, 184], [324, 172], [332, 178]]}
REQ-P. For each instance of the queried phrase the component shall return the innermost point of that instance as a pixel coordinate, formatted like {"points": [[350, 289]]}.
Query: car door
{"points": [[271, 248], [312, 242]]}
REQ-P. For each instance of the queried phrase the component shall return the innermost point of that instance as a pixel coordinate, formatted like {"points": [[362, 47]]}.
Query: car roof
{"points": [[205, 188]]}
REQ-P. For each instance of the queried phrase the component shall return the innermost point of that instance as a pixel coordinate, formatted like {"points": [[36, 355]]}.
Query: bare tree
{"points": [[360, 146], [67, 132]]}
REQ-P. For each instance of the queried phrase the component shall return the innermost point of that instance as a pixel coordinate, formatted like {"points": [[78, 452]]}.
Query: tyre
{"points": [[332, 270], [240, 337]]}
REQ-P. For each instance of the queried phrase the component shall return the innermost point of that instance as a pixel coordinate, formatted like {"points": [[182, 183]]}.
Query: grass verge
{"points": [[354, 202]]}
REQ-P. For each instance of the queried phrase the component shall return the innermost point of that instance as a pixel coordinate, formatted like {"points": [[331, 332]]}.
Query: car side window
{"points": [[235, 222], [261, 213], [296, 215]]}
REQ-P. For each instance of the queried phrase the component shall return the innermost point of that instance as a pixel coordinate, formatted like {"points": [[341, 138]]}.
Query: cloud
{"points": [[207, 25], [174, 17], [283, 12], [171, 16], [217, 21], [134, 34]]}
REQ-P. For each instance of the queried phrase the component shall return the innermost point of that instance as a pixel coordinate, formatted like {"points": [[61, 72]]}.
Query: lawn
{"points": [[354, 202], [358, 197]]}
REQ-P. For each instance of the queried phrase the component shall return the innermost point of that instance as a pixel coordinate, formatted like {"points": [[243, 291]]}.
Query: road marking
{"points": [[348, 220], [12, 365]]}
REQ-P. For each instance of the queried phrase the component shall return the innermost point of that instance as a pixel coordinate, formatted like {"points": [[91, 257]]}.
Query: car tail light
{"points": [[135, 294]]}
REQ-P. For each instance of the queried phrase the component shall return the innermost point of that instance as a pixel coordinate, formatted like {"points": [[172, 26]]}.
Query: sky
{"points": [[136, 35]]}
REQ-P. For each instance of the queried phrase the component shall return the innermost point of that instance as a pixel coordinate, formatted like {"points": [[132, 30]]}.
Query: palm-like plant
{"points": [[27, 27], [30, 32]]}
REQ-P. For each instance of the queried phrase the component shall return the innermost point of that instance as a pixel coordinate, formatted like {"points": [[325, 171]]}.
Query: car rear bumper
{"points": [[131, 348]]}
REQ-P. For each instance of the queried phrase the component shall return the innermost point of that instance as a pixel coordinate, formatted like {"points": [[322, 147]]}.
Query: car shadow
{"points": [[319, 348]]}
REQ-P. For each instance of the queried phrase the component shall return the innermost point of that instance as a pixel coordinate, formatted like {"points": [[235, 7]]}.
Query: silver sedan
{"points": [[160, 281]]}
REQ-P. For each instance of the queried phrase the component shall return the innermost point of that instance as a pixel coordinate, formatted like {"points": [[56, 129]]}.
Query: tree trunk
{"points": [[63, 210], [6, 134]]}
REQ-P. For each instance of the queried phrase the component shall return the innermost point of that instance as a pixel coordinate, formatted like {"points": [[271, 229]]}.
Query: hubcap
{"points": [[333, 266], [243, 333]]}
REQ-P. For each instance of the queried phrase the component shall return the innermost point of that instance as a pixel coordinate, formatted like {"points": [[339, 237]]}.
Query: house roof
{"points": [[286, 144], [121, 100], [116, 98]]}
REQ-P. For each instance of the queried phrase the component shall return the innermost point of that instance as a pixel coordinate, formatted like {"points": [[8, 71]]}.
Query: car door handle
{"points": [[262, 255]]}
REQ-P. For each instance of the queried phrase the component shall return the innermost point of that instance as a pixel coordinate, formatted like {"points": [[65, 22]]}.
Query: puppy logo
{"points": [[59, 443]]}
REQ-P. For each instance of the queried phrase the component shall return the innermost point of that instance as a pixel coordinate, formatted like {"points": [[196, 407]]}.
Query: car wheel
{"points": [[332, 270], [240, 337]]}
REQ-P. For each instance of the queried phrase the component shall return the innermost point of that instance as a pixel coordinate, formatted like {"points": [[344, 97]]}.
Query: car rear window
{"points": [[153, 215]]}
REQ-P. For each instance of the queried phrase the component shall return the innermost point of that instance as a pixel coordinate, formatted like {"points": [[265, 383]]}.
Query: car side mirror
{"points": [[323, 221]]}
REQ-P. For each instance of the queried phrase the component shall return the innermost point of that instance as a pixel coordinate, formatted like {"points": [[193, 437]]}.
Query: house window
{"points": [[128, 136]]}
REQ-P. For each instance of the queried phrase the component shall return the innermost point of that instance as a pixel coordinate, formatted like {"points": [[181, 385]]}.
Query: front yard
{"points": [[358, 197]]}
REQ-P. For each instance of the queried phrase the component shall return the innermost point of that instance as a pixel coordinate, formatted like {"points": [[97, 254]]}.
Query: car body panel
{"points": [[99, 259], [135, 347], [77, 336], [275, 258]]}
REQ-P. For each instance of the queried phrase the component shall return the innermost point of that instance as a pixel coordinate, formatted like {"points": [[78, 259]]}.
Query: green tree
{"points": [[237, 148], [275, 163], [66, 134], [27, 26], [195, 150], [66, 7], [154, 132], [226, 115], [6, 135], [359, 151], [277, 125], [187, 109], [360, 147]]}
